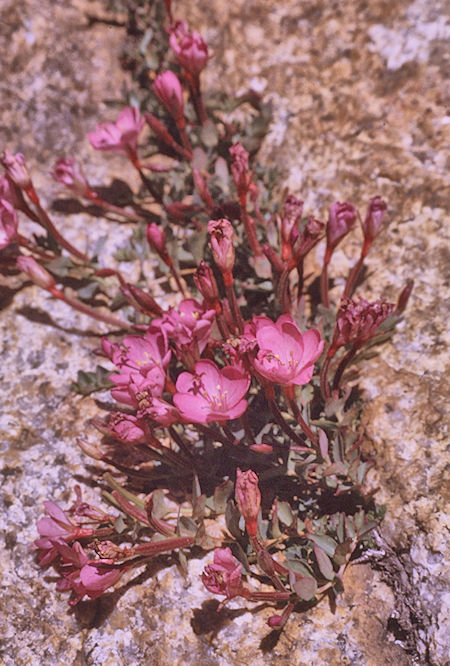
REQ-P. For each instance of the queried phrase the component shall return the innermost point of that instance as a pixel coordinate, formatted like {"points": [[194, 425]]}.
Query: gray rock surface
{"points": [[359, 109]]}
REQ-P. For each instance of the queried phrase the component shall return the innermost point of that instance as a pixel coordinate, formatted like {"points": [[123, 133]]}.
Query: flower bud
{"points": [[248, 499], [142, 301], [168, 89], [16, 168], [8, 224], [376, 212], [190, 49], [340, 220], [69, 173], [240, 169], [156, 238], [222, 234], [37, 273], [290, 220], [206, 282]]}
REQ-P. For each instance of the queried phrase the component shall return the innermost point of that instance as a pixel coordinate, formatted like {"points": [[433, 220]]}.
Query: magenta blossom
{"points": [[189, 47], [224, 576], [121, 136], [211, 394], [168, 89], [59, 528], [8, 224], [84, 576], [127, 428], [188, 326], [68, 172], [285, 355]]}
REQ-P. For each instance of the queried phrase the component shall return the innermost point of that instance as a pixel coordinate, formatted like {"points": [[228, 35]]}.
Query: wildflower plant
{"points": [[233, 406]]}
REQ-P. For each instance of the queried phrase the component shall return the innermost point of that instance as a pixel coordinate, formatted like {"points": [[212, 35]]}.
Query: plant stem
{"points": [[301, 422], [279, 420], [349, 356], [46, 222], [86, 309]]}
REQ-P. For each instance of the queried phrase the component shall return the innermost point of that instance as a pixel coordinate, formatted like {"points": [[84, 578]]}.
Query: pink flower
{"points": [[84, 576], [224, 576], [189, 47], [211, 394], [285, 355], [156, 238], [57, 528], [16, 168], [37, 273], [248, 498], [168, 89], [69, 173], [357, 323], [222, 235], [340, 220], [127, 428], [189, 326], [376, 212], [8, 224], [120, 136]]}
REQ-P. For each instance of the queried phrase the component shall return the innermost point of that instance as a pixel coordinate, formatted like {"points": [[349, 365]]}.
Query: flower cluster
{"points": [[240, 382]]}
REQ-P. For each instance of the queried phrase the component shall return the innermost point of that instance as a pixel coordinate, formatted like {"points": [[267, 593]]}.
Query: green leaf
{"points": [[341, 552], [328, 544], [221, 495], [305, 588], [299, 567], [324, 563], [285, 513], [186, 526], [89, 382]]}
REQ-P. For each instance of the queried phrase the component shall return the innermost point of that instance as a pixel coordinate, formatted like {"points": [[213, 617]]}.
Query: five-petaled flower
{"points": [[121, 136], [211, 394], [285, 356]]}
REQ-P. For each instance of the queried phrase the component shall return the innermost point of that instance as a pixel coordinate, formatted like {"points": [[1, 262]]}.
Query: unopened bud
{"points": [[340, 220], [16, 168], [376, 212], [206, 282], [169, 91], [37, 273], [69, 173], [248, 499], [222, 235], [144, 302], [91, 450]]}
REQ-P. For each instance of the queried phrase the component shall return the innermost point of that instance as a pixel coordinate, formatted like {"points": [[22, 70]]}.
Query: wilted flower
{"points": [[126, 427], [308, 238], [290, 220], [285, 355], [248, 498], [69, 173], [168, 89], [224, 576], [8, 224], [357, 322], [211, 394], [189, 47], [57, 527], [121, 136]]}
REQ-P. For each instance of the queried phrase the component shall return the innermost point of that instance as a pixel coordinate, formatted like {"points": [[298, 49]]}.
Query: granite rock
{"points": [[357, 90]]}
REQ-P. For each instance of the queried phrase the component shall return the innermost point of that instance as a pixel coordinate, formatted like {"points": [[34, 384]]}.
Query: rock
{"points": [[357, 94]]}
